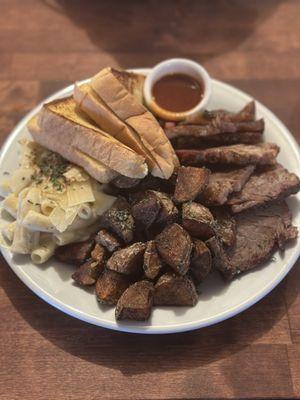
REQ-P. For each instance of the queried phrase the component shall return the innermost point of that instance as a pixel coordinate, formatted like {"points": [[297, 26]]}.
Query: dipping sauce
{"points": [[177, 92]]}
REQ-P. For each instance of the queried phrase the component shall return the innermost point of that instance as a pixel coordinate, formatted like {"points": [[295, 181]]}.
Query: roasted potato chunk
{"points": [[198, 220], [128, 261], [108, 240], [98, 253], [136, 302], [88, 273], [110, 286], [190, 183], [152, 262], [174, 245], [119, 219], [175, 290], [201, 261], [168, 212], [145, 210], [75, 253]]}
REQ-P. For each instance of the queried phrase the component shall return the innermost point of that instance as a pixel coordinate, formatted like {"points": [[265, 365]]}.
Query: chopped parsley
{"points": [[51, 166]]}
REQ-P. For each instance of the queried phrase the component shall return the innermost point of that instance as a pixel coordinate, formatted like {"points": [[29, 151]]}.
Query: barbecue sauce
{"points": [[177, 92]]}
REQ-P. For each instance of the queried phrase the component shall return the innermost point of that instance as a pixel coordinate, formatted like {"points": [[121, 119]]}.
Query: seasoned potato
{"points": [[191, 181], [128, 261], [88, 273], [119, 219], [175, 290], [198, 220], [174, 245], [201, 261], [75, 253], [136, 302], [108, 240], [110, 286], [152, 262]]}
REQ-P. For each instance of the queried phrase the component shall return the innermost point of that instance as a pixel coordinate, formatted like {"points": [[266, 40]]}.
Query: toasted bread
{"points": [[122, 92], [62, 121], [93, 167], [89, 102]]}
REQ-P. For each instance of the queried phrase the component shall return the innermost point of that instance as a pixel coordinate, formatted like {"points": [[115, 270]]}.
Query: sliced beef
{"points": [[129, 260], [136, 302], [259, 232], [201, 261], [110, 286], [174, 245], [75, 253], [216, 127], [222, 183], [225, 226], [239, 154], [152, 262], [247, 113], [88, 273], [189, 141], [190, 183], [124, 182], [272, 184], [221, 130], [146, 209], [119, 220], [198, 220], [108, 240], [175, 290]]}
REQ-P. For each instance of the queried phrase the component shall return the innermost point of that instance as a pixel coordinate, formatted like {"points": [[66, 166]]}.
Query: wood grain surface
{"points": [[47, 44]]}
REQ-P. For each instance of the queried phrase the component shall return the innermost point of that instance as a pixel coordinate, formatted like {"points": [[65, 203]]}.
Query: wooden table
{"points": [[45, 45]]}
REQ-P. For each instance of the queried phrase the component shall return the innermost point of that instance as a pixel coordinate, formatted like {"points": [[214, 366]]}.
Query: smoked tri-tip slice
{"points": [[119, 219], [88, 273], [223, 183], [75, 253], [274, 183], [174, 245], [247, 113], [175, 290], [198, 220], [152, 262], [239, 154], [110, 286], [136, 302], [129, 260], [218, 132], [259, 233], [108, 240], [201, 261], [191, 181]]}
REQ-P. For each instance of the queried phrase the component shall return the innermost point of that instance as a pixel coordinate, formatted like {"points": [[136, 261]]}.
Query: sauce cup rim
{"points": [[176, 65]]}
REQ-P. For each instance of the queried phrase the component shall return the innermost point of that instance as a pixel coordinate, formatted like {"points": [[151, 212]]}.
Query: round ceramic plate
{"points": [[218, 300]]}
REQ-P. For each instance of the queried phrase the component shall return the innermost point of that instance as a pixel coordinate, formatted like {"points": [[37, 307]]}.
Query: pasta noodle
{"points": [[43, 251], [53, 203], [10, 204]]}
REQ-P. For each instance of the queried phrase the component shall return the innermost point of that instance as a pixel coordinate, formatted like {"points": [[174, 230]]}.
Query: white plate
{"points": [[218, 301]]}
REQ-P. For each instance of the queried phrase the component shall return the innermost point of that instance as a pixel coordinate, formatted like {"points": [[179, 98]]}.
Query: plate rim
{"points": [[158, 329]]}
